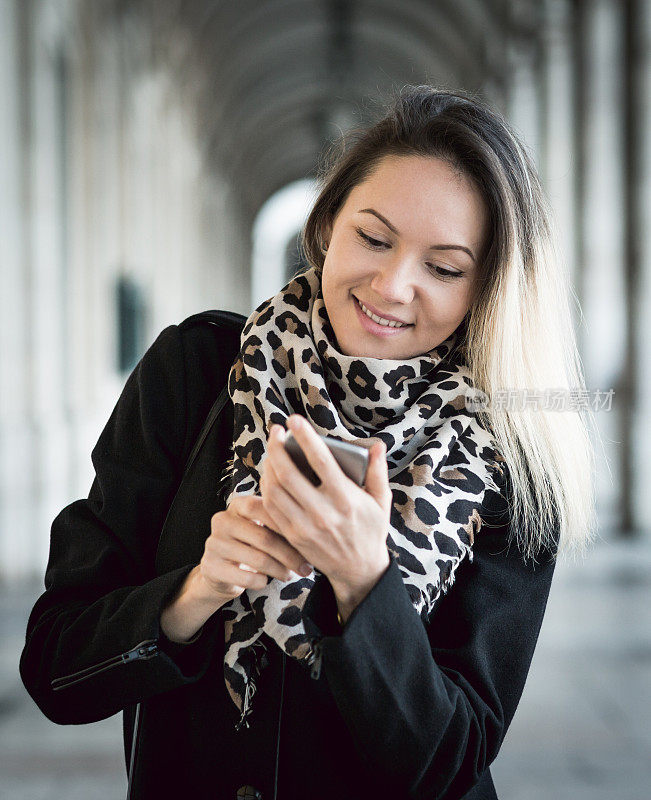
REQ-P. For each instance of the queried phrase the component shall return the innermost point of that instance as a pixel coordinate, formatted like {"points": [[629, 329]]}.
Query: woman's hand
{"points": [[338, 526], [240, 554]]}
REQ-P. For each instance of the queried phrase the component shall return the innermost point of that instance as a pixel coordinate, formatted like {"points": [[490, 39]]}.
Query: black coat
{"points": [[401, 708]]}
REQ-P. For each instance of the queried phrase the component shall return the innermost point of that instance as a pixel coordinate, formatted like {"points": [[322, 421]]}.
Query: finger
{"points": [[242, 553], [319, 458], [377, 475], [278, 523], [250, 507], [267, 539], [279, 548], [286, 471], [233, 575], [283, 506]]}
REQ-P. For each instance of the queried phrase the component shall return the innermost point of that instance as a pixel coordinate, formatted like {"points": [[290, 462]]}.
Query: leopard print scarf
{"points": [[440, 460]]}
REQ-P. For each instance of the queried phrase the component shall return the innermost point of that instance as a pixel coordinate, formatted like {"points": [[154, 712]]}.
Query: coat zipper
{"points": [[143, 651]]}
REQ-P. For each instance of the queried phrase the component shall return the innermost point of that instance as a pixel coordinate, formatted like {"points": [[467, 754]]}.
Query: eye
{"points": [[374, 244], [445, 273]]}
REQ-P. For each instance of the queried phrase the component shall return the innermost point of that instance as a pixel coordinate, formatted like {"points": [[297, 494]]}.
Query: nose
{"points": [[393, 282]]}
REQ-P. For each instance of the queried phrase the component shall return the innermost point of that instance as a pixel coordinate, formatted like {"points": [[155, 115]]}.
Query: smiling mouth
{"points": [[382, 321]]}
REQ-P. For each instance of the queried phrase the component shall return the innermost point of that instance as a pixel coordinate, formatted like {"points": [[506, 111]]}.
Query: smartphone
{"points": [[352, 458]]}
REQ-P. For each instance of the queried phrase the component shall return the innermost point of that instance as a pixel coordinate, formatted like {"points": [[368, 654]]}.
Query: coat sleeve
{"points": [[102, 596], [428, 705]]}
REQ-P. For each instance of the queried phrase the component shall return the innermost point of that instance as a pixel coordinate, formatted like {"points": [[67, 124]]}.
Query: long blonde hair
{"points": [[518, 333]]}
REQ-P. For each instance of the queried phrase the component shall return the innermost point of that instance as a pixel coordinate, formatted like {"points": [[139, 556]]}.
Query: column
{"points": [[600, 264], [637, 469], [558, 161], [16, 466]]}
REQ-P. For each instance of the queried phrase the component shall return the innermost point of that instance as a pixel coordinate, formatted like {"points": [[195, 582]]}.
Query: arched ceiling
{"points": [[271, 80]]}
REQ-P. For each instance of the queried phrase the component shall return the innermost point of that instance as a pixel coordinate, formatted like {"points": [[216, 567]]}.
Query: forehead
{"points": [[424, 196], [402, 174]]}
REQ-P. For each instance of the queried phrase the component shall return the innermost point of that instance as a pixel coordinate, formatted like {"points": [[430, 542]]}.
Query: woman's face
{"points": [[390, 249]]}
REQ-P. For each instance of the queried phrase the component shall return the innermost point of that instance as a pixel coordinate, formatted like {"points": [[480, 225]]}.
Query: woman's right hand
{"points": [[242, 536]]}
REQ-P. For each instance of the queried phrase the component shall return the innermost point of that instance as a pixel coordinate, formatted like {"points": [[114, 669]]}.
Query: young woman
{"points": [[291, 640]]}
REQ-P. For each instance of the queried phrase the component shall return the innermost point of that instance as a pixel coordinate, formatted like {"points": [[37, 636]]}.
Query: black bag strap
{"points": [[214, 412], [219, 318]]}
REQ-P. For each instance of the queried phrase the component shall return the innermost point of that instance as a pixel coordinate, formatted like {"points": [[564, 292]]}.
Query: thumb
{"points": [[377, 477]]}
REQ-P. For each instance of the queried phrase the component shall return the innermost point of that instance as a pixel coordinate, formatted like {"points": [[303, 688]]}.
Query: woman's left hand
{"points": [[339, 527]]}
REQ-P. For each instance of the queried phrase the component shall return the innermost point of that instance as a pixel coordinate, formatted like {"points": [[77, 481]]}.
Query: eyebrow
{"points": [[431, 247]]}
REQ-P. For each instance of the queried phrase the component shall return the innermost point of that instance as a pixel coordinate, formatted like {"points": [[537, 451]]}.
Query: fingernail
{"points": [[305, 569]]}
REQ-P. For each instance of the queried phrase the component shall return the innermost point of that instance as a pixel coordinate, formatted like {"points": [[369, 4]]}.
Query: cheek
{"points": [[347, 263], [326, 288], [465, 298], [448, 304], [341, 273]]}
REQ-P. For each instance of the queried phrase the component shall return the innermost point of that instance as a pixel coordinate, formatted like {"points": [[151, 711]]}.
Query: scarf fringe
{"points": [[246, 708], [224, 482], [258, 654], [430, 602]]}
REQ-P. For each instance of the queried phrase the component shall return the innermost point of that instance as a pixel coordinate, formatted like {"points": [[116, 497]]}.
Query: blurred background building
{"points": [[157, 158]]}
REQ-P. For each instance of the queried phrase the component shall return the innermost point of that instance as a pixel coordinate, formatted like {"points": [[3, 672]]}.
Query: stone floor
{"points": [[582, 730]]}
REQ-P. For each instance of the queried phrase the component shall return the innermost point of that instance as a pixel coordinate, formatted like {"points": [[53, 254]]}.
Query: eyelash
{"points": [[376, 244]]}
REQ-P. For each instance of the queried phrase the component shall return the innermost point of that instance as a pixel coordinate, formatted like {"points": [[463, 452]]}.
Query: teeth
{"points": [[386, 322]]}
